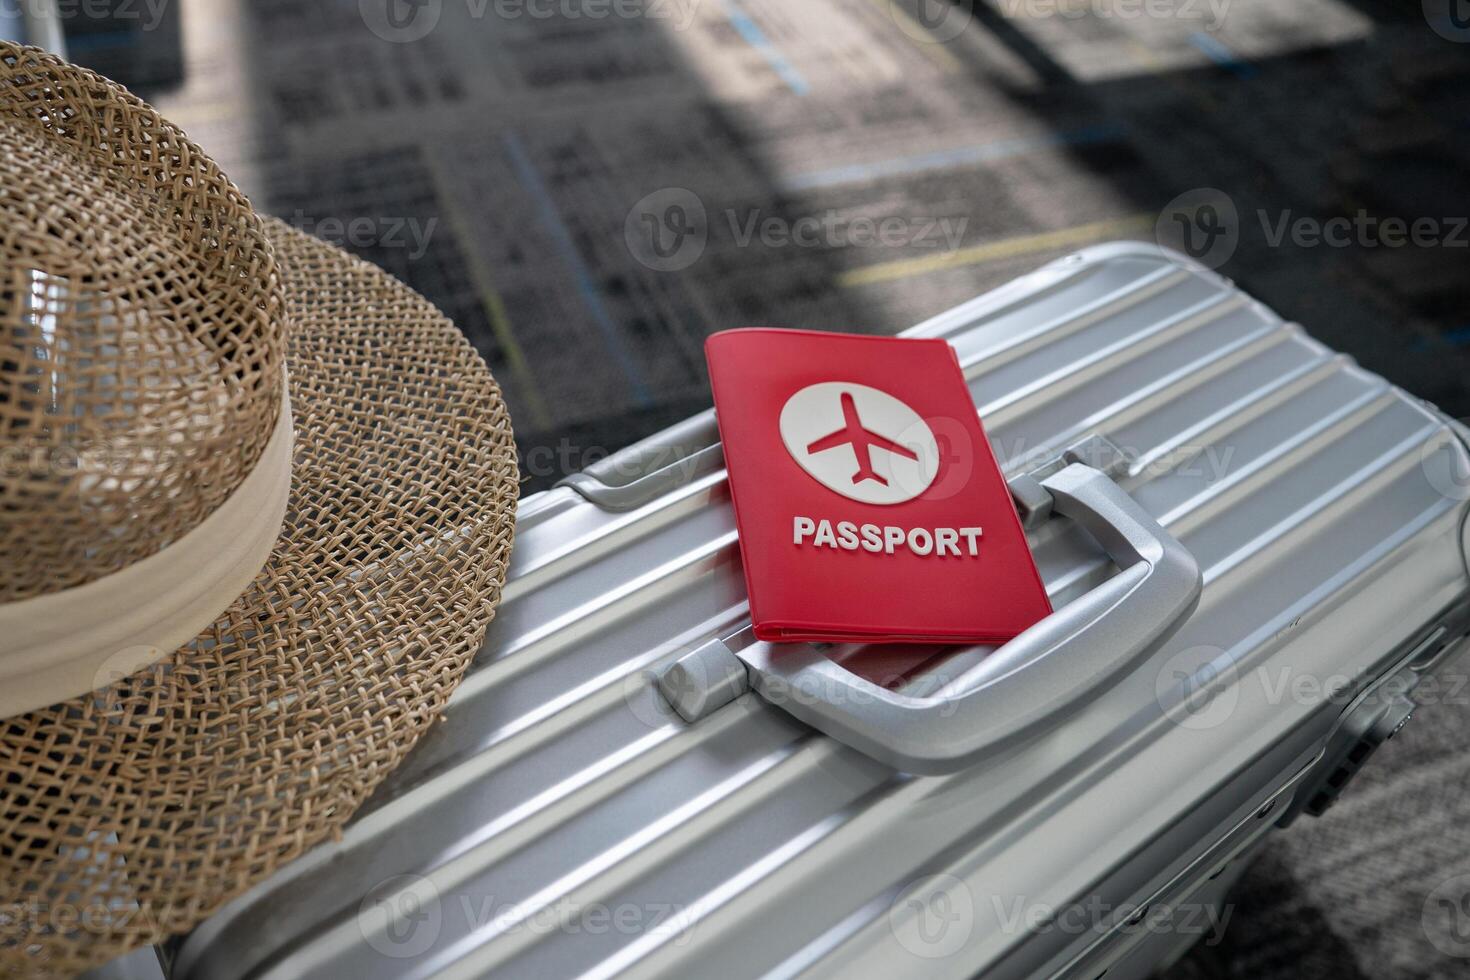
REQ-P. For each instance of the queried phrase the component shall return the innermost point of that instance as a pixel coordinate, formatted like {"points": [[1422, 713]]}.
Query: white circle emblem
{"points": [[860, 442]]}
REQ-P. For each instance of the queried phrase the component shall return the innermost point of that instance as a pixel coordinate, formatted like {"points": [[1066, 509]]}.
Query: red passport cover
{"points": [[869, 503]]}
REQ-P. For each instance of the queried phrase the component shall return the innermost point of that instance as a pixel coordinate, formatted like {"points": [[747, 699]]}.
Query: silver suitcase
{"points": [[1256, 551]]}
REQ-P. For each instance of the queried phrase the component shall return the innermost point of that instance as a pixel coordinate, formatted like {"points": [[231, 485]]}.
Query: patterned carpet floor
{"points": [[590, 197], [1379, 886]]}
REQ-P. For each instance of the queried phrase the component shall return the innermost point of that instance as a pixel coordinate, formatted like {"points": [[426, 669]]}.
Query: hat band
{"points": [[57, 646]]}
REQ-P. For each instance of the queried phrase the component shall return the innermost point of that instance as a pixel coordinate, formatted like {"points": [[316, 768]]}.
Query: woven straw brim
{"points": [[128, 815]]}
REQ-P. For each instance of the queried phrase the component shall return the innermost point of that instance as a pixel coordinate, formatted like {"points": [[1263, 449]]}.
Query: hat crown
{"points": [[142, 333]]}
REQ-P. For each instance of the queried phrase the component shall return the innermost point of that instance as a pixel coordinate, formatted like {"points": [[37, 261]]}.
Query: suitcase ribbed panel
{"points": [[568, 824]]}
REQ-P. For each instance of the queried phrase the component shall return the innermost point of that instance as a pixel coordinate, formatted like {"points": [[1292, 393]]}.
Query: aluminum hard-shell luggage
{"points": [[1255, 549]]}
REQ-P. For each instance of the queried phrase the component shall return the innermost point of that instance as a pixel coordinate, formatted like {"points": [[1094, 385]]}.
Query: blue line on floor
{"points": [[1454, 336], [1216, 50], [957, 157], [756, 38], [586, 284]]}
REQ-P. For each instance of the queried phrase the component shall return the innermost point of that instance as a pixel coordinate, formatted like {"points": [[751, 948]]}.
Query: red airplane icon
{"points": [[862, 441]]}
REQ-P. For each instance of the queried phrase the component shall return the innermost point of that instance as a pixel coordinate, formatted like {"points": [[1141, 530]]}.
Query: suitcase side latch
{"points": [[1379, 713]]}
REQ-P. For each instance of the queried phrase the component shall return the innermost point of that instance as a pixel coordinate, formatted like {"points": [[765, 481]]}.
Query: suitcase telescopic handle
{"points": [[1014, 692]]}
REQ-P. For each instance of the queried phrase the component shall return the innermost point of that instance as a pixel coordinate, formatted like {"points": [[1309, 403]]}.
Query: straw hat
{"points": [[256, 503]]}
